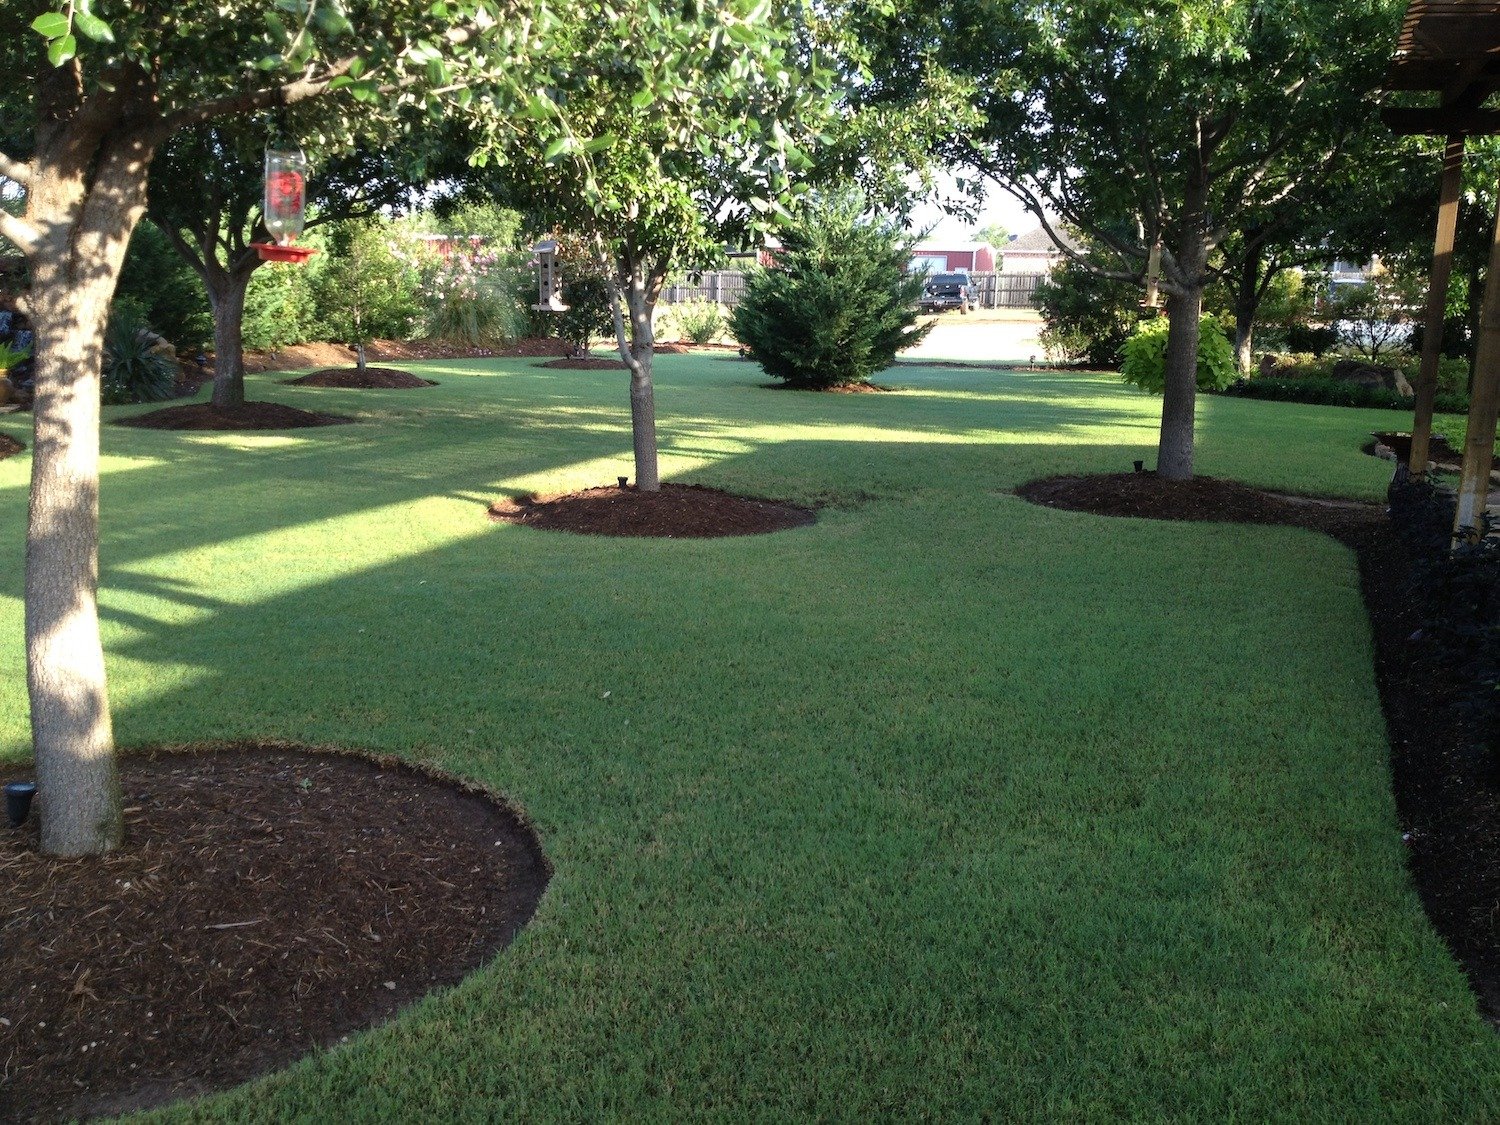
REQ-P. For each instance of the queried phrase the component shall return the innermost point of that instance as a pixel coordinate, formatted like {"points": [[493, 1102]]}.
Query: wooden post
{"points": [[1437, 304], [1484, 403]]}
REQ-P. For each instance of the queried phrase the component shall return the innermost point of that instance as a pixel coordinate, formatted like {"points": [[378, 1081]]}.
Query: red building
{"points": [[949, 257]]}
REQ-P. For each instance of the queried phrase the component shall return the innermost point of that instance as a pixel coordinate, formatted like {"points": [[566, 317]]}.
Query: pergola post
{"points": [[1484, 404], [1437, 304]]}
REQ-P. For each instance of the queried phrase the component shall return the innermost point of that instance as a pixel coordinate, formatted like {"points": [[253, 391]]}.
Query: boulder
{"points": [[1373, 375]]}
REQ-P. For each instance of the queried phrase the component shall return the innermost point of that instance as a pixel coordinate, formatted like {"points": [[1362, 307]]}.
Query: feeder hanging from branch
{"points": [[548, 278], [285, 206]]}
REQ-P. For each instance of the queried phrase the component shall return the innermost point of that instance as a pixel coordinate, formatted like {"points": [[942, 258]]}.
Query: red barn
{"points": [[948, 257]]}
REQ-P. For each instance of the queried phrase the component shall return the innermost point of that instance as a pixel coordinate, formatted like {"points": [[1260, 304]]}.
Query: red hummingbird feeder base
{"points": [[276, 252]]}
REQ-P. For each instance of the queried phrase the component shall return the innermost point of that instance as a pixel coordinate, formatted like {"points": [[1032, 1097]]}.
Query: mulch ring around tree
{"points": [[678, 511], [836, 389], [267, 901], [585, 363], [1440, 454], [1446, 787], [9, 446], [250, 416], [371, 378]]}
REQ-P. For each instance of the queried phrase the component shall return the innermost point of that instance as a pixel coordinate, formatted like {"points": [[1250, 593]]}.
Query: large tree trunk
{"points": [[87, 194], [639, 351], [226, 294], [1174, 453]]}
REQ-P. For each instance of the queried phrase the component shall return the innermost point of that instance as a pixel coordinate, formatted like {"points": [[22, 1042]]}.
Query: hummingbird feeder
{"points": [[285, 206], [548, 278]]}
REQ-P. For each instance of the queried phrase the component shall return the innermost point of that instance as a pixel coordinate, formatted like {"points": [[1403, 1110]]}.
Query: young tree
{"points": [[686, 174], [367, 291]]}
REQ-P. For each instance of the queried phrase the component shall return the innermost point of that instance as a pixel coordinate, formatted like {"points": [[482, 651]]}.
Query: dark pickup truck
{"points": [[945, 291]]}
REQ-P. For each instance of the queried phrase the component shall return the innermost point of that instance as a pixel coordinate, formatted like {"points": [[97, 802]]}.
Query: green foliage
{"points": [[473, 300], [138, 363], [1145, 356], [10, 356], [700, 321], [1377, 315], [588, 296], [281, 303], [366, 292], [167, 288], [839, 303], [1321, 391], [1087, 317]]}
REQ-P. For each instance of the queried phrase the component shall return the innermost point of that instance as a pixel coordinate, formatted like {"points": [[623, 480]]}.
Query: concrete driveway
{"points": [[1007, 335]]}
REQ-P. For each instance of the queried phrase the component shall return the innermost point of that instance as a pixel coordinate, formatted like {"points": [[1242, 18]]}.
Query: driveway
{"points": [[987, 334]]}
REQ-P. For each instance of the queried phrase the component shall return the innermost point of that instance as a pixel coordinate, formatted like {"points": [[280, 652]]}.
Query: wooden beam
{"points": [[1437, 304], [1441, 122], [1484, 405]]}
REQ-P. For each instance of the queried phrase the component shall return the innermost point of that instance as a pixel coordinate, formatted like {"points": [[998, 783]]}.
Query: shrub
{"points": [[138, 364], [1088, 317], [366, 291], [281, 302], [168, 289], [1312, 338], [1145, 356], [1452, 375], [587, 292], [840, 303], [472, 301], [1338, 392], [700, 321]]}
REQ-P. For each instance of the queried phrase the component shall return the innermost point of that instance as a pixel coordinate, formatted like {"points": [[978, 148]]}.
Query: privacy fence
{"points": [[989, 290]]}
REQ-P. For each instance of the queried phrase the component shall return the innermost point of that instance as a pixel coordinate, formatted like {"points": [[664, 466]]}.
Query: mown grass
{"points": [[948, 806]]}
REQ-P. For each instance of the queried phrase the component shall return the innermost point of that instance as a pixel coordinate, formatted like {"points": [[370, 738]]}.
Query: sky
{"points": [[998, 207]]}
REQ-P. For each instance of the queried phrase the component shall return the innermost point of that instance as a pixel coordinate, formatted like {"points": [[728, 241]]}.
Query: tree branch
{"points": [[15, 170], [19, 231], [267, 97]]}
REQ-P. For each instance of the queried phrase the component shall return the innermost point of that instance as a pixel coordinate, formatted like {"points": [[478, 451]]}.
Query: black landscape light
{"points": [[18, 795]]}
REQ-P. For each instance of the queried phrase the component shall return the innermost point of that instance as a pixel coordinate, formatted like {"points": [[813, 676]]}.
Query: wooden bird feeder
{"points": [[548, 278]]}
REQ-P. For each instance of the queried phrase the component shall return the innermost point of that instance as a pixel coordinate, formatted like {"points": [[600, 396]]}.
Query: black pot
{"points": [[18, 795]]}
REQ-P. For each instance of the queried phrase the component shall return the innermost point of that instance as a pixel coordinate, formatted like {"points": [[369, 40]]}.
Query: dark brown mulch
{"points": [[1447, 796], [1439, 452], [251, 416], [840, 389], [585, 363], [371, 378], [678, 511], [267, 901], [9, 446]]}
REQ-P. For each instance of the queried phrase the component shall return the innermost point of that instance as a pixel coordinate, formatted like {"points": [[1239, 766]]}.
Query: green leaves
{"points": [[51, 25], [58, 28]]}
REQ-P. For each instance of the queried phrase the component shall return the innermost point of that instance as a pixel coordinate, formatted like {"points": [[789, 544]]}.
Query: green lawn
{"points": [[948, 806]]}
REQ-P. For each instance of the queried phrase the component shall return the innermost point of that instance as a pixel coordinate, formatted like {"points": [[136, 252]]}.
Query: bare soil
{"points": [[678, 511], [371, 378], [251, 416], [9, 446], [267, 901], [1443, 771]]}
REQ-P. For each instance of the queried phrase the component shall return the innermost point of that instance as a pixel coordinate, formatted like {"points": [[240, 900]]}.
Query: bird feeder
{"points": [[1153, 278], [548, 278], [285, 206]]}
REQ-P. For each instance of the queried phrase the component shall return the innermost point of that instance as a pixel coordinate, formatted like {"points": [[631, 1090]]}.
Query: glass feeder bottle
{"points": [[286, 182]]}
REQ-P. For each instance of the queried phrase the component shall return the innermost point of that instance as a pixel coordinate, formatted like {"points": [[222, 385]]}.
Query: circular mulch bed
{"points": [[1446, 795], [267, 902], [840, 389], [251, 416], [9, 446], [585, 363], [678, 511], [371, 378]]}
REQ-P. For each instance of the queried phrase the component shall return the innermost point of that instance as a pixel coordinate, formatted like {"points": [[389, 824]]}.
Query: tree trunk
{"points": [[1174, 454], [87, 193], [359, 358], [641, 290], [226, 293], [1246, 305]]}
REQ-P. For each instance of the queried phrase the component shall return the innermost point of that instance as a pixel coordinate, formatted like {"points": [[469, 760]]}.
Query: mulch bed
{"points": [[267, 901], [840, 389], [9, 446], [1439, 452], [678, 511], [585, 363], [1444, 777], [251, 416], [371, 378]]}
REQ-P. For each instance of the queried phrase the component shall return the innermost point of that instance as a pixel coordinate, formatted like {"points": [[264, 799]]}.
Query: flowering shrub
{"points": [[472, 299]]}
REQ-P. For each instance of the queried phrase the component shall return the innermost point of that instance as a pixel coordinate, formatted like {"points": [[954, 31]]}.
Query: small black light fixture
{"points": [[622, 480], [18, 795], [1140, 466]]}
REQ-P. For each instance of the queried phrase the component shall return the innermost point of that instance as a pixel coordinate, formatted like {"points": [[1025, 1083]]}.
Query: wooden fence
{"points": [[989, 290]]}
